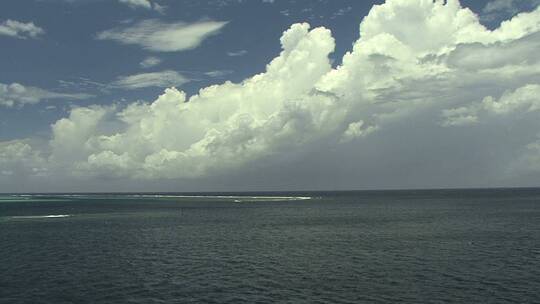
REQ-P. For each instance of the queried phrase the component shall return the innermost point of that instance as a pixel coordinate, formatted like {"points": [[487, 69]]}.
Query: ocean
{"points": [[421, 246]]}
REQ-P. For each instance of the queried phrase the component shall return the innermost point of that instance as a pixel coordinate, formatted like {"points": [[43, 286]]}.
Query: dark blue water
{"points": [[459, 246]]}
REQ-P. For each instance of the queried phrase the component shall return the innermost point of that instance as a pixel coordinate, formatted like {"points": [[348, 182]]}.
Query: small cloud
{"points": [[145, 4], [237, 53], [160, 8], [342, 11], [16, 94], [149, 62], [357, 129], [218, 74], [83, 84], [137, 3], [505, 8], [461, 116], [155, 35], [161, 79], [500, 6], [20, 30]]}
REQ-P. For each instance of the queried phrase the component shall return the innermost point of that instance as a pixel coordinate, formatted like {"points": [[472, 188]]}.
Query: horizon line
{"points": [[283, 191]]}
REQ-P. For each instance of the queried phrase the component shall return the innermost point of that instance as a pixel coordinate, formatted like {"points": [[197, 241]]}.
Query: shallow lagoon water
{"points": [[437, 246]]}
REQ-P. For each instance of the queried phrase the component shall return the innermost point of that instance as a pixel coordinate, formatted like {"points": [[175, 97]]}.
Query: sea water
{"points": [[432, 246]]}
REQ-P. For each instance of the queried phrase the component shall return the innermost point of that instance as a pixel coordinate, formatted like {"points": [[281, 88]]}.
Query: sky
{"points": [[268, 95]]}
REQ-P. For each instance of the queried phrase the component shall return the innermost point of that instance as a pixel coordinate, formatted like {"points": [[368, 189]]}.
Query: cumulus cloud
{"points": [[460, 116], [229, 124], [16, 94], [155, 35], [401, 75], [21, 30], [526, 98], [18, 157], [161, 79], [149, 62], [357, 129]]}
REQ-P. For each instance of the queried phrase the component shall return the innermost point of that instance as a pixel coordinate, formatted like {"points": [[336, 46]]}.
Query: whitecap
{"points": [[41, 216], [229, 197]]}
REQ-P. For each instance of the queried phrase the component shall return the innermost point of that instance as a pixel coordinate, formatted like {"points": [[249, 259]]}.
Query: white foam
{"points": [[232, 197], [41, 216]]}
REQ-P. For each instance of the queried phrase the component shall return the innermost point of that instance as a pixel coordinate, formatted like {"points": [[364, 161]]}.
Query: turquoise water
{"points": [[452, 246]]}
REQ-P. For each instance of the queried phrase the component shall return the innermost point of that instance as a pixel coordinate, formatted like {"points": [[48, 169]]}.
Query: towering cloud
{"points": [[417, 63]]}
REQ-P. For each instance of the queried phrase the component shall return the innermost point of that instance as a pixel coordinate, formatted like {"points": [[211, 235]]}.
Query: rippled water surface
{"points": [[459, 246]]}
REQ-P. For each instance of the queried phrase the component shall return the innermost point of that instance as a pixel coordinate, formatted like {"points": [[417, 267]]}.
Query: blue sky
{"points": [[59, 55], [68, 58]]}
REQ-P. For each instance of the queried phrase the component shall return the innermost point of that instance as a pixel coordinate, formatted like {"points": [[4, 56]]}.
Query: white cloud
{"points": [[460, 116], [218, 73], [71, 134], [158, 36], [149, 62], [16, 94], [401, 74], [20, 30], [161, 79], [224, 125], [137, 3], [357, 129], [18, 157], [526, 98], [145, 4]]}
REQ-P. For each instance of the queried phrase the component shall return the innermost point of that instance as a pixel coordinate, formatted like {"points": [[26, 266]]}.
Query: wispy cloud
{"points": [[161, 79], [218, 73], [158, 36], [503, 8], [237, 53], [20, 30], [498, 6], [16, 94], [149, 62], [83, 84], [341, 12]]}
